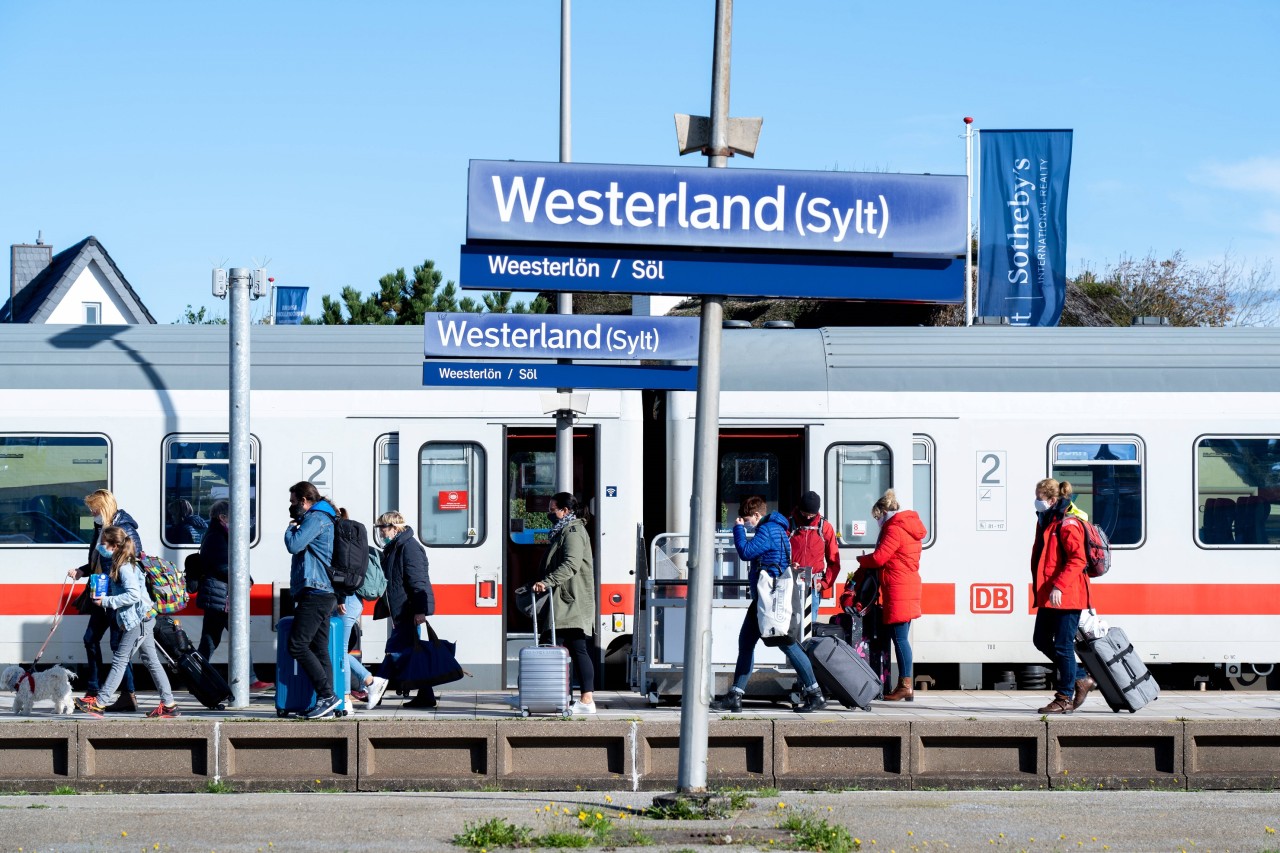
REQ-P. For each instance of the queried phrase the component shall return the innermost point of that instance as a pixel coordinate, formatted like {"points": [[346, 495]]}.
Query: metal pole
{"points": [[694, 724], [238, 545], [564, 301], [968, 231]]}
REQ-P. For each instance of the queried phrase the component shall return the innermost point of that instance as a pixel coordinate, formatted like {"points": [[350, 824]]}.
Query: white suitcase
{"points": [[544, 673]]}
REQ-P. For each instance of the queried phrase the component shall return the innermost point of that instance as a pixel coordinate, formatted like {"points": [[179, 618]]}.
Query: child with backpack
{"points": [[127, 598]]}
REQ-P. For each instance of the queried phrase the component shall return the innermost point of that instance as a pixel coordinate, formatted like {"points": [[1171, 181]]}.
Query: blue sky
{"points": [[333, 138]]}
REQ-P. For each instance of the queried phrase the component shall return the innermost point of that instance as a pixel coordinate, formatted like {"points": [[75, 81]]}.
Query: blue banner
{"points": [[500, 374], [581, 336], [291, 305], [1022, 250], [716, 208], [825, 275]]}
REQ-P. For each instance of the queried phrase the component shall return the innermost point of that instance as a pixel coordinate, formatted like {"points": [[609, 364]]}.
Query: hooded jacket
{"points": [[311, 544], [215, 560], [404, 562], [768, 550], [568, 569], [1058, 559], [897, 556]]}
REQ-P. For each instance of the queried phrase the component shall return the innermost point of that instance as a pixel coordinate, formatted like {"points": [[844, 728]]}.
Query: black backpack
{"points": [[350, 556]]}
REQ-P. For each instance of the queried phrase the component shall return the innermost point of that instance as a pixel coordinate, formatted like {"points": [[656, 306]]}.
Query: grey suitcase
{"points": [[544, 673], [842, 672], [1123, 679]]}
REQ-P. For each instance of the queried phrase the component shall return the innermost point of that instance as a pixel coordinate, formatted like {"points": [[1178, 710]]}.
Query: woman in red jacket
{"points": [[897, 557], [1061, 590]]}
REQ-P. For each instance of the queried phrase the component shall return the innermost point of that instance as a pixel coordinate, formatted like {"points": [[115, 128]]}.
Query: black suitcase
{"points": [[842, 672], [203, 681]]}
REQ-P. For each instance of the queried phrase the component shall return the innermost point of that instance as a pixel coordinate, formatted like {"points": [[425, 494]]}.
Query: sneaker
{"points": [[730, 702], [814, 701], [90, 705], [262, 685], [327, 707], [578, 709], [164, 711], [376, 689]]}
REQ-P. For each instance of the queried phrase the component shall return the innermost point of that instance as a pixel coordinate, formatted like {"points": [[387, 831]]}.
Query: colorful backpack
{"points": [[165, 582], [1097, 547]]}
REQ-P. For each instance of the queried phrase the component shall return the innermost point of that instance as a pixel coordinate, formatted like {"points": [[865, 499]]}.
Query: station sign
{"points": [[498, 374], [576, 336], [667, 206], [488, 266]]}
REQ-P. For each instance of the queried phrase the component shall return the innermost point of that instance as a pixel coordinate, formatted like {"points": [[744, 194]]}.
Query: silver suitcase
{"points": [[544, 673]]}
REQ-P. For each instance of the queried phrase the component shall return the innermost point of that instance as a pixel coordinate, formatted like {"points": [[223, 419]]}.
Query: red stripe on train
{"points": [[1181, 599]]}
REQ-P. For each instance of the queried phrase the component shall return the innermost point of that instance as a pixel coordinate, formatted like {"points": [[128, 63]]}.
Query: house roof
{"points": [[38, 299]]}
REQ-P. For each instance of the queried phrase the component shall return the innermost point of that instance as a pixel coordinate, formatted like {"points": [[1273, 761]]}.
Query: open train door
{"points": [[451, 493]]}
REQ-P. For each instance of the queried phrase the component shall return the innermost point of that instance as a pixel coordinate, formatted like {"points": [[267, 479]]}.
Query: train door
{"points": [[765, 462], [528, 484], [450, 490]]}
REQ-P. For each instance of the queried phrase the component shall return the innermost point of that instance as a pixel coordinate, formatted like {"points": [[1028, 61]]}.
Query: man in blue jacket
{"points": [[309, 538], [769, 551]]}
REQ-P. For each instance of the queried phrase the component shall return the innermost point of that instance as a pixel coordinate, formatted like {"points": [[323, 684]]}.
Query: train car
{"points": [[142, 411], [1170, 437]]}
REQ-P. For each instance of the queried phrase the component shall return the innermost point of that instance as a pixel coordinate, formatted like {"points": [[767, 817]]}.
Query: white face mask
{"points": [[97, 519], [1042, 505], [881, 520]]}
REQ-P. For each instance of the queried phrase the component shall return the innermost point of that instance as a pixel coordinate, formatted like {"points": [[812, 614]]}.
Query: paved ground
{"points": [[885, 822], [933, 704]]}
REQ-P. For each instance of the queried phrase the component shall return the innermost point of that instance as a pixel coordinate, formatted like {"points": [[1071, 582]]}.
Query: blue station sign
{"points": [[756, 274], [498, 374], [662, 206], [576, 336]]}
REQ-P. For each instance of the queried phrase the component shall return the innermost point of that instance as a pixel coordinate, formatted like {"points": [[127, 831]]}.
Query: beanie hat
{"points": [[810, 502]]}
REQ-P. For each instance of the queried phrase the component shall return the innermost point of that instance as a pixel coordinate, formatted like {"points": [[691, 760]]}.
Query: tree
{"points": [[201, 317]]}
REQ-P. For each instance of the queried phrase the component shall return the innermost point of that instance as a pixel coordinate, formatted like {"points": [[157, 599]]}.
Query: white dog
{"points": [[53, 683]]}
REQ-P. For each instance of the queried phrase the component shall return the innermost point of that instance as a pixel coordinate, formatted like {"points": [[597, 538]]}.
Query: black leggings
{"points": [[575, 640]]}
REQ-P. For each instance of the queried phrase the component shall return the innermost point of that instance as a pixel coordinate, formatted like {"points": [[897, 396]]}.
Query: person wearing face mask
{"points": [[214, 598], [106, 513], [897, 559], [409, 599], [1061, 590]]}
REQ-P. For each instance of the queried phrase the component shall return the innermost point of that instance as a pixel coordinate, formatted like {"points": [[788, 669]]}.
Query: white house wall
{"points": [[89, 286]]}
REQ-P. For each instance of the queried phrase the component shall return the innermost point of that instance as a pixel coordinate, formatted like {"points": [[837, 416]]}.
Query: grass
{"points": [[811, 833], [38, 806], [562, 839], [687, 809], [495, 832], [217, 787], [636, 838], [64, 790]]}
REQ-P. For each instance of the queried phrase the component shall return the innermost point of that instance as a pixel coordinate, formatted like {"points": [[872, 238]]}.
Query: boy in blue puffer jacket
{"points": [[769, 551]]}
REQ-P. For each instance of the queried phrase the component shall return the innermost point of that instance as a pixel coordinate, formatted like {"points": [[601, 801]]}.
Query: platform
{"points": [[477, 740]]}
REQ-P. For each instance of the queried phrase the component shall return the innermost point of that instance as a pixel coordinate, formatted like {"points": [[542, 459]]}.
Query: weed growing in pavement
{"points": [[218, 787], [64, 790], [813, 833], [767, 792], [637, 838], [38, 806], [495, 832], [685, 808]]}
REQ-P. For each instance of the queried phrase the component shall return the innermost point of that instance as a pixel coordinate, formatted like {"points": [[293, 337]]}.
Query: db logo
{"points": [[453, 497], [991, 598]]}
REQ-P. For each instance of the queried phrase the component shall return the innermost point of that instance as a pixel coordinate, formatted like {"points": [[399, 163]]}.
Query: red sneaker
{"points": [[262, 685], [90, 705], [165, 711]]}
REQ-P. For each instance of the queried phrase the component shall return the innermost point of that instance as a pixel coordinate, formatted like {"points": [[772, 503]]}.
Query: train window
{"points": [[922, 483], [532, 483], [451, 494], [1237, 485], [743, 474], [1105, 473], [43, 481], [197, 474], [386, 491], [861, 473]]}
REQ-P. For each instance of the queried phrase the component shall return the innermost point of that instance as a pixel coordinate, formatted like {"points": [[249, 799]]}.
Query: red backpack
{"points": [[809, 546]]}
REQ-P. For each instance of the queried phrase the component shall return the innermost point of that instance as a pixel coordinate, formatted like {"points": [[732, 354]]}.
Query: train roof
{"points": [[834, 359]]}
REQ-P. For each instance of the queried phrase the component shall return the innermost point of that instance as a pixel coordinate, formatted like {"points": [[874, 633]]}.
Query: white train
{"points": [[1170, 436]]}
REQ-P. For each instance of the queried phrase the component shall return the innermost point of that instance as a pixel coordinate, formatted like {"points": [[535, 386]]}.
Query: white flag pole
{"points": [[968, 231]]}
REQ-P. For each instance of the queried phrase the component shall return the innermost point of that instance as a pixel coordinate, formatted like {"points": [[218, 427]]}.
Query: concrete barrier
{"points": [[978, 754], [866, 753], [38, 755], [739, 754], [547, 754], [397, 755], [1232, 754], [1116, 753], [293, 755]]}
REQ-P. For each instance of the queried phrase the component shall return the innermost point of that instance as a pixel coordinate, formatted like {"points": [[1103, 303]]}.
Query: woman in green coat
{"points": [[567, 569]]}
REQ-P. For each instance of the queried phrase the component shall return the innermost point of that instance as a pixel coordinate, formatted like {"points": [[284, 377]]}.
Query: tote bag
{"points": [[415, 663]]}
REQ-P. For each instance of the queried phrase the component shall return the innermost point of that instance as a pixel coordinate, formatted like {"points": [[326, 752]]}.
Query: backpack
{"points": [[165, 582], [808, 550], [375, 580], [1097, 547], [350, 563]]}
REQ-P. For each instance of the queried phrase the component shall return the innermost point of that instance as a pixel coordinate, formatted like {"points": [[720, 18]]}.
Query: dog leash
{"points": [[57, 620]]}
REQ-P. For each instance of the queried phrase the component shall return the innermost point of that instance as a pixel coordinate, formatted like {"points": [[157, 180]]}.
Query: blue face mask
{"points": [[102, 549]]}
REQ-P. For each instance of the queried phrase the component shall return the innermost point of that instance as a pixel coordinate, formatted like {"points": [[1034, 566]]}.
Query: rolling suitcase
{"points": [[202, 680], [1123, 679], [544, 674], [294, 691], [842, 672]]}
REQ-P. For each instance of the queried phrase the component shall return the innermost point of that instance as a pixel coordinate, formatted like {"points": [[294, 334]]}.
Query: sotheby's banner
{"points": [[1022, 250]]}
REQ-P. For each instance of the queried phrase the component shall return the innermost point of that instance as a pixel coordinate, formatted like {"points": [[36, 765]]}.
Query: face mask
{"points": [[97, 519], [1041, 506], [102, 549], [881, 520], [388, 538]]}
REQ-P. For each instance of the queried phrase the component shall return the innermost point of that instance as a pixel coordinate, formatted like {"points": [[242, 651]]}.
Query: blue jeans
{"points": [[747, 639], [356, 673], [898, 632], [1055, 637], [100, 621]]}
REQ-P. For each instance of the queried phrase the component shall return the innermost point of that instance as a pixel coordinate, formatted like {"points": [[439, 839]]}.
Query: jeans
{"points": [[748, 636], [309, 639], [215, 622], [139, 636], [356, 672], [100, 620], [400, 631], [1055, 637], [898, 632]]}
